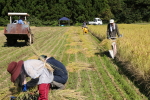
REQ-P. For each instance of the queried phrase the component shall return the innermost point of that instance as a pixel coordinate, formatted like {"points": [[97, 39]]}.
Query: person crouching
{"points": [[60, 72], [36, 70]]}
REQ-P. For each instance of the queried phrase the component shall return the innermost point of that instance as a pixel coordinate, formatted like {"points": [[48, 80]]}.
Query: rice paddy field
{"points": [[133, 51], [1, 28], [93, 75]]}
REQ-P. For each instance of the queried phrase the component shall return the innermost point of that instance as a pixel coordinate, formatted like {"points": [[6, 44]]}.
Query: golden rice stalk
{"points": [[66, 95], [72, 51], [106, 44], [76, 66], [74, 44], [33, 57]]}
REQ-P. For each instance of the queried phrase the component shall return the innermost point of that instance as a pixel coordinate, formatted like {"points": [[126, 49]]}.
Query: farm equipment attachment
{"points": [[15, 31]]}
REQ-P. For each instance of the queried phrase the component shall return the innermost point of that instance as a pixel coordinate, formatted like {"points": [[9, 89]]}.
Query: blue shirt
{"points": [[60, 72], [20, 21]]}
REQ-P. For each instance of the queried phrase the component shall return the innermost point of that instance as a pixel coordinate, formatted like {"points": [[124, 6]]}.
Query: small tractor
{"points": [[15, 31]]}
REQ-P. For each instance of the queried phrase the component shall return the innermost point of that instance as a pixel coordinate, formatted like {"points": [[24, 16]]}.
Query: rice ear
{"points": [[46, 65]]}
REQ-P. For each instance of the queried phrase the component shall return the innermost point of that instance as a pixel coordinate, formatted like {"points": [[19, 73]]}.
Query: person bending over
{"points": [[60, 73], [36, 70]]}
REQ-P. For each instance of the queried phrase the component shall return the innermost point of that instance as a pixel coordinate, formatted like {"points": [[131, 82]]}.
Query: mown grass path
{"points": [[92, 75]]}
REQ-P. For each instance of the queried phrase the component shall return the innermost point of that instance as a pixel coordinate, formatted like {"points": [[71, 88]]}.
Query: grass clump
{"points": [[66, 95]]}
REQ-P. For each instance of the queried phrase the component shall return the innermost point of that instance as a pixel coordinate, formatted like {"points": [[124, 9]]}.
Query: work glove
{"points": [[32, 83], [24, 88]]}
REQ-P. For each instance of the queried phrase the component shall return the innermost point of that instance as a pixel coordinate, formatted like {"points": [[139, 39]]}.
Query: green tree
{"points": [[88, 11], [105, 12], [74, 10]]}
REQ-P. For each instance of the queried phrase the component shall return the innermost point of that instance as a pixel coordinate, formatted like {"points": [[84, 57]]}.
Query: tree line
{"points": [[48, 12]]}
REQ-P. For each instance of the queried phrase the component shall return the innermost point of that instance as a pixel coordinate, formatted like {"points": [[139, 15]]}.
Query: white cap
{"points": [[111, 21]]}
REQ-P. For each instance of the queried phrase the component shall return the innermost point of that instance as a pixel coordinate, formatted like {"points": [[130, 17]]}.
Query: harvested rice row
{"points": [[112, 79], [49, 39]]}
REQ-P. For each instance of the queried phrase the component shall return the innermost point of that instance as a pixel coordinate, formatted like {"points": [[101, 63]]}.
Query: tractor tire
{"points": [[32, 38], [11, 42], [29, 40], [15, 41]]}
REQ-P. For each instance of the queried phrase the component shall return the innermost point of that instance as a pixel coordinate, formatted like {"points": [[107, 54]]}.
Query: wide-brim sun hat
{"points": [[111, 21], [14, 69]]}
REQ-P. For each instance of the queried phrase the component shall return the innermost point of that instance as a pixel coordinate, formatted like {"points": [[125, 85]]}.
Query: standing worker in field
{"points": [[84, 24], [36, 70], [60, 72], [84, 27], [112, 29]]}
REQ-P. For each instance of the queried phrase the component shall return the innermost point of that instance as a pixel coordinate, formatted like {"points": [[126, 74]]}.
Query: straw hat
{"points": [[14, 69]]}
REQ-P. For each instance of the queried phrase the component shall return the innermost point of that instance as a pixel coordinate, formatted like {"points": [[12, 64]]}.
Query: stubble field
{"points": [[93, 75]]}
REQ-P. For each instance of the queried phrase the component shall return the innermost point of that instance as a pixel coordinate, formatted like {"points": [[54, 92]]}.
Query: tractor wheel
{"points": [[8, 42], [32, 37], [11, 42], [28, 41]]}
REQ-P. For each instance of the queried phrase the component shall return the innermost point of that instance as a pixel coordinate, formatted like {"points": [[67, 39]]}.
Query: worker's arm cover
{"points": [[32, 82]]}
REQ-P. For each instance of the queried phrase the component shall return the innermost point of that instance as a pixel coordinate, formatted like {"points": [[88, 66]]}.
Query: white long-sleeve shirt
{"points": [[35, 68]]}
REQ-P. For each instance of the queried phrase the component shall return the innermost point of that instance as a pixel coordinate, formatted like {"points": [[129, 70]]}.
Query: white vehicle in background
{"points": [[97, 21]]}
